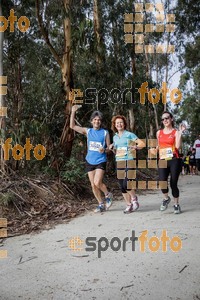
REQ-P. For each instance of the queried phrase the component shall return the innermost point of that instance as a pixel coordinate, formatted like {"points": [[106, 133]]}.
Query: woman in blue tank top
{"points": [[98, 140]]}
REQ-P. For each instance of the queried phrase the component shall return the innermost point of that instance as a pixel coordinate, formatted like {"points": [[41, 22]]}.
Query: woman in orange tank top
{"points": [[169, 142]]}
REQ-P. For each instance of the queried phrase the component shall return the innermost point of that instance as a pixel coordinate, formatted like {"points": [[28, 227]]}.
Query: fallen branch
{"points": [[21, 262], [20, 197], [67, 189], [17, 208], [127, 286], [183, 269], [36, 186]]}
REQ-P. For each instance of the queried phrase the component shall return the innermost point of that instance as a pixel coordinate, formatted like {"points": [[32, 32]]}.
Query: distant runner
{"points": [[98, 140], [192, 162], [196, 146]]}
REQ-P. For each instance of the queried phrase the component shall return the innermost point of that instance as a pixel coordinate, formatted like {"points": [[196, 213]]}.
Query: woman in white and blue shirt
{"points": [[124, 145]]}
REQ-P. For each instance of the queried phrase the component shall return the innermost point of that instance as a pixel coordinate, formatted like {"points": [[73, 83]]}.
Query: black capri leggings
{"points": [[174, 169], [127, 176]]}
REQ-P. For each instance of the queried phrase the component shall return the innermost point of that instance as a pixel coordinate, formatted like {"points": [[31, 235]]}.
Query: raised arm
{"points": [[179, 132], [73, 126]]}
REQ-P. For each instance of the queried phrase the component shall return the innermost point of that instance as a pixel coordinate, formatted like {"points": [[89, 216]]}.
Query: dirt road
{"points": [[44, 267]]}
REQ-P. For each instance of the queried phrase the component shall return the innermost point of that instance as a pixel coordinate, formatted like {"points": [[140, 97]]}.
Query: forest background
{"points": [[79, 45]]}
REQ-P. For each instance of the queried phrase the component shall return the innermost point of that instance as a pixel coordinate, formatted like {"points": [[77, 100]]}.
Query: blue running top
{"points": [[96, 139]]}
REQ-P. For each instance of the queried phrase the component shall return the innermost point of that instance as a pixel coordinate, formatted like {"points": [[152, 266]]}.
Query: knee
{"points": [[97, 184], [92, 184]]}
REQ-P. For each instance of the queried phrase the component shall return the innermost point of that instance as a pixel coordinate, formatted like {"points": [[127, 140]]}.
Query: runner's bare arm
{"points": [[112, 148], [73, 126], [107, 142], [136, 144], [108, 139], [139, 144]]}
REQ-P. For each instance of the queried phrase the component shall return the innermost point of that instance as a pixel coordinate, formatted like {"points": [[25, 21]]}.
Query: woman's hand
{"points": [[132, 147], [75, 108], [182, 127], [111, 147], [101, 149], [153, 151]]}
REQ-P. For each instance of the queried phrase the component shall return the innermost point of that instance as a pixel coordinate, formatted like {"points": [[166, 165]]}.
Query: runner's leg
{"points": [[95, 189], [175, 166], [98, 181], [163, 176], [127, 198]]}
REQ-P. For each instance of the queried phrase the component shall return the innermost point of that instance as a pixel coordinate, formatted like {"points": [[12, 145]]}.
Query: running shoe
{"points": [[135, 203], [128, 209], [177, 209], [109, 200], [164, 204], [100, 208]]}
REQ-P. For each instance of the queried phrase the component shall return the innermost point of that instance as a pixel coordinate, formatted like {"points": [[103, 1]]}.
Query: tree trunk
{"points": [[97, 31], [148, 75], [2, 99], [131, 111], [99, 41], [131, 119], [67, 134], [66, 70]]}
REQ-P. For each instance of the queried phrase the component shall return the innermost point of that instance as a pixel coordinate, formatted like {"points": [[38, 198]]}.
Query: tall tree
{"points": [[2, 97], [65, 63]]}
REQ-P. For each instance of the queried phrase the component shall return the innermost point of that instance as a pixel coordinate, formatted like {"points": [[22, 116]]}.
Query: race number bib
{"points": [[165, 153], [94, 146], [121, 152]]}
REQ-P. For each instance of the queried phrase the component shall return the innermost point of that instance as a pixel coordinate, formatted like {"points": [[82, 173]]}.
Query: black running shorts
{"points": [[90, 167]]}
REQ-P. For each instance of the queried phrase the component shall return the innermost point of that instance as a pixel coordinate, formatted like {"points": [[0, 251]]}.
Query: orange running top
{"points": [[167, 141]]}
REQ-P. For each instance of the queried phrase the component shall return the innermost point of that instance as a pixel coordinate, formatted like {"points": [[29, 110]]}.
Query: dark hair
{"points": [[113, 122], [96, 113], [171, 116]]}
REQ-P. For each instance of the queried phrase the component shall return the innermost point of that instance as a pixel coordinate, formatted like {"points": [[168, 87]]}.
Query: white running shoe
{"points": [[128, 209], [109, 200], [135, 203]]}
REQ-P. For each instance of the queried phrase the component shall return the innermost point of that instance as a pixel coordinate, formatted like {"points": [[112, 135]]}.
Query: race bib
{"points": [[94, 146], [165, 153], [121, 152]]}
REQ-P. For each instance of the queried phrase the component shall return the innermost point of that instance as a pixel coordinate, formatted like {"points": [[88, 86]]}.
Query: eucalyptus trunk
{"points": [[2, 99], [66, 69]]}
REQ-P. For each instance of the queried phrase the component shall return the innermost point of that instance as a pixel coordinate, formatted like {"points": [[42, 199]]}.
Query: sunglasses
{"points": [[167, 118]]}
